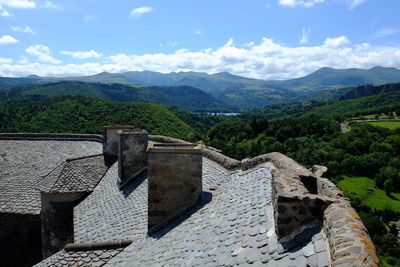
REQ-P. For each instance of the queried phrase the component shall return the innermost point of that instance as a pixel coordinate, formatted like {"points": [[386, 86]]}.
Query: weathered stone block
{"points": [[174, 179], [111, 139], [295, 212], [132, 156]]}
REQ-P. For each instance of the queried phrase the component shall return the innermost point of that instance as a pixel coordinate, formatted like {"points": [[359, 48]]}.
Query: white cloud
{"points": [[18, 3], [337, 42], [5, 60], [385, 32], [265, 60], [4, 12], [43, 53], [49, 4], [25, 29], [352, 3], [7, 39], [23, 60], [82, 54], [137, 12], [303, 3], [305, 35]]}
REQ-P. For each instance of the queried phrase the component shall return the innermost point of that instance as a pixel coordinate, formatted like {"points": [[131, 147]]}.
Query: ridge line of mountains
{"points": [[194, 91]]}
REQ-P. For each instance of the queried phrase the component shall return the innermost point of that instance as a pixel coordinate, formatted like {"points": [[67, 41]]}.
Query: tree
{"points": [[388, 186]]}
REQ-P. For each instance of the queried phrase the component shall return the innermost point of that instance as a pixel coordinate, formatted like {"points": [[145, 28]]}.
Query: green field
{"points": [[371, 196], [386, 124]]}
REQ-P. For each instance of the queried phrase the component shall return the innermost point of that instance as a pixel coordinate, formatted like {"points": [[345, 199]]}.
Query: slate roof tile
{"points": [[24, 163], [234, 228]]}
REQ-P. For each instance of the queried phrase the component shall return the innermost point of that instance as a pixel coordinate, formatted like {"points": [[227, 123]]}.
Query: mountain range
{"points": [[235, 90]]}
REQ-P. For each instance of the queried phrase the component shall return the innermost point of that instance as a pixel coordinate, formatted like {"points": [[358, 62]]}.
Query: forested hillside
{"points": [[77, 114], [381, 103], [184, 97]]}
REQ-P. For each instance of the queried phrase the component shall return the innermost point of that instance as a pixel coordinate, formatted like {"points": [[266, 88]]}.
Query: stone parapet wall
{"points": [[52, 136], [348, 239], [294, 213], [347, 236]]}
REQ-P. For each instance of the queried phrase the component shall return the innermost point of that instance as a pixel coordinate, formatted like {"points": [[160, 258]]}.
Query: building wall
{"points": [[57, 220]]}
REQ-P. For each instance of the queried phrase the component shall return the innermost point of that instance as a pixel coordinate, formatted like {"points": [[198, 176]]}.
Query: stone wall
{"points": [[348, 239], [20, 242], [57, 220]]}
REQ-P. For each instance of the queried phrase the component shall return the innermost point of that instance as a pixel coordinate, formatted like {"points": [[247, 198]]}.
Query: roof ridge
{"points": [[83, 157]]}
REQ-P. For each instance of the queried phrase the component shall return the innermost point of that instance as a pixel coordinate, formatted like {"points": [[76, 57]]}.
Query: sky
{"points": [[264, 39]]}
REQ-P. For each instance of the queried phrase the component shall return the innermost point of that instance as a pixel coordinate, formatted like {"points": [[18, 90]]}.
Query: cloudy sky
{"points": [[267, 39]]}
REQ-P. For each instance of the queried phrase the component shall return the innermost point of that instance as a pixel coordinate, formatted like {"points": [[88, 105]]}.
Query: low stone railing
{"points": [[348, 239], [347, 236], [52, 136]]}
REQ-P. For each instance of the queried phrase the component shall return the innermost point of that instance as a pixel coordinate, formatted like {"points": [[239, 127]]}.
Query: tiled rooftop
{"points": [[74, 175], [24, 163], [233, 225]]}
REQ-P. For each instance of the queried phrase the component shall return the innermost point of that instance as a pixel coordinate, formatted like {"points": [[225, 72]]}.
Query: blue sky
{"points": [[267, 39]]}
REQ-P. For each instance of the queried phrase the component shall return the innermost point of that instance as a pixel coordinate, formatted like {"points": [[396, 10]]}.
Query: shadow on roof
{"points": [[301, 239], [205, 198], [135, 183]]}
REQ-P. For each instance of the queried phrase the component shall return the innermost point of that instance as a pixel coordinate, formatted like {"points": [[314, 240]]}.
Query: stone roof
{"points": [[95, 258], [24, 163], [74, 175], [234, 224]]}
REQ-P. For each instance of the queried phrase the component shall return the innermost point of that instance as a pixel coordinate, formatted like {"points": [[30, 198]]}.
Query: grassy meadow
{"points": [[371, 195]]}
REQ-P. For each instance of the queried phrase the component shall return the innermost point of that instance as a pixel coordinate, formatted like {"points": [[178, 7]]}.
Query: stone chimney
{"points": [[111, 139], [174, 181], [132, 156]]}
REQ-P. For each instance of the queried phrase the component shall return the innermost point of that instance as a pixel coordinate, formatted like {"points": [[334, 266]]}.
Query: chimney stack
{"points": [[111, 139], [132, 156], [174, 181]]}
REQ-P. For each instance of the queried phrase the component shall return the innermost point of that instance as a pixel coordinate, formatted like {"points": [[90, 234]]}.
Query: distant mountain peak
{"points": [[33, 76]]}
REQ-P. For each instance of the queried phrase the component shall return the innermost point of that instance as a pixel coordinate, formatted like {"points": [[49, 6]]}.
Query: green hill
{"points": [[7, 83], [184, 97], [78, 114]]}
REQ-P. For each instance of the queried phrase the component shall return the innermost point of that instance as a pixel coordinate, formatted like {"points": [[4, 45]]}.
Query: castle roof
{"points": [[24, 165], [234, 224]]}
